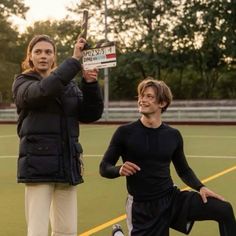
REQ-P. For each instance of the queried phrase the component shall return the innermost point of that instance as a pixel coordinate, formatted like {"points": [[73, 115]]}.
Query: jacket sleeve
{"points": [[183, 169], [92, 104], [30, 93]]}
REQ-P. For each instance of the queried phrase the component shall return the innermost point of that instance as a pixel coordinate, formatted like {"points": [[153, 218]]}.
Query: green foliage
{"points": [[227, 84], [8, 37], [211, 24], [189, 44], [12, 7]]}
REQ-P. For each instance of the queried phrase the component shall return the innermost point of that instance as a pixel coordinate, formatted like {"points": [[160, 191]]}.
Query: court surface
{"points": [[210, 150]]}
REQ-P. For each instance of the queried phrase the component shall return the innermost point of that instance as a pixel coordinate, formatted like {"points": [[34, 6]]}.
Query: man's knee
{"points": [[227, 211]]}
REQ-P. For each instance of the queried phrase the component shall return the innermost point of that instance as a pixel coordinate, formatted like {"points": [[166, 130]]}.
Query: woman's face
{"points": [[43, 57]]}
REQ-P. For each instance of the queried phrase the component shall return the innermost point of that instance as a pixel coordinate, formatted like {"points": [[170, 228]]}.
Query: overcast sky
{"points": [[43, 10]]}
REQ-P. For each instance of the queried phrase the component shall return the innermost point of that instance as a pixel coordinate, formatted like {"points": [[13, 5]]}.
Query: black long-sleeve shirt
{"points": [[152, 149]]}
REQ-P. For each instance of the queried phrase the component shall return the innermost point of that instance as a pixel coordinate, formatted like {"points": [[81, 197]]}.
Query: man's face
{"points": [[43, 56], [147, 102]]}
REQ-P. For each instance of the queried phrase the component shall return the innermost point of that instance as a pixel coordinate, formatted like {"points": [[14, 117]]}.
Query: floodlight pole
{"points": [[106, 81]]}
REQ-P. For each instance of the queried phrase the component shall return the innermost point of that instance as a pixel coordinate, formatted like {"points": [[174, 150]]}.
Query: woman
{"points": [[50, 104]]}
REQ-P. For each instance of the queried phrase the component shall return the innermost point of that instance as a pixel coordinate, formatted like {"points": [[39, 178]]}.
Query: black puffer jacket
{"points": [[49, 110]]}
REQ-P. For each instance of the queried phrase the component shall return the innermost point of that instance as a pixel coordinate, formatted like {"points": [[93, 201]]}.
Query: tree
{"points": [[191, 38], [141, 29], [8, 44], [207, 31], [190, 44]]}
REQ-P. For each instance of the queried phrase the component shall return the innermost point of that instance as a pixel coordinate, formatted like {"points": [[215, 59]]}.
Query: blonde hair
{"points": [[27, 64], [162, 91]]}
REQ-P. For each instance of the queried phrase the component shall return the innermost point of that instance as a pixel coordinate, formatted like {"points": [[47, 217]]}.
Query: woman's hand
{"points": [[78, 49], [90, 75]]}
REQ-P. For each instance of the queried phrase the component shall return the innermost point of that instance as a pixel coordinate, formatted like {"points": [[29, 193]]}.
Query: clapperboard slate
{"points": [[99, 58]]}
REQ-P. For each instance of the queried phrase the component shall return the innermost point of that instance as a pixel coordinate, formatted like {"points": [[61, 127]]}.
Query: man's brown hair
{"points": [[162, 91]]}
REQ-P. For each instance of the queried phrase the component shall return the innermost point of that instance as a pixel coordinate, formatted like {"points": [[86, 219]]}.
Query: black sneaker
{"points": [[116, 230]]}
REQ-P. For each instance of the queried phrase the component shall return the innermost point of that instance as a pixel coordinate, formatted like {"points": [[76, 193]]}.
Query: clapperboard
{"points": [[99, 58]]}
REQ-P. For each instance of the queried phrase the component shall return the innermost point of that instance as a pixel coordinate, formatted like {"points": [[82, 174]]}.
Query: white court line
{"points": [[6, 157], [81, 129], [84, 128], [213, 157], [185, 136], [208, 136], [8, 136], [190, 156]]}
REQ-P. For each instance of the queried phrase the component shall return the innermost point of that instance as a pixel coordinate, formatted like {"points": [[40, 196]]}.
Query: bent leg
{"points": [[214, 209]]}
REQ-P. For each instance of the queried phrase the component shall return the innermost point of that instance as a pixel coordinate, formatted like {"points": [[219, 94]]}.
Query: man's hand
{"points": [[205, 193], [128, 168], [90, 75]]}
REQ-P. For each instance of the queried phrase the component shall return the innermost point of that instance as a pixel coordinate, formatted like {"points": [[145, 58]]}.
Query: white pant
{"points": [[57, 202]]}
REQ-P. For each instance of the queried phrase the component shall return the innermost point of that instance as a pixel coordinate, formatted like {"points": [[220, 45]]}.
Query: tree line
{"points": [[190, 44]]}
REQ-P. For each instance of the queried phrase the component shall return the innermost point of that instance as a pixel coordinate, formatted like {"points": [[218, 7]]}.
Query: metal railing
{"points": [[191, 114], [8, 115], [173, 114]]}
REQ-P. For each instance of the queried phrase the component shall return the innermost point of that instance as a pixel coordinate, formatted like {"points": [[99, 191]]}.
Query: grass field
{"points": [[211, 152]]}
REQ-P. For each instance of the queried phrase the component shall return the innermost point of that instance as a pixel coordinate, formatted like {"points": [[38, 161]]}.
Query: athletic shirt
{"points": [[152, 149]]}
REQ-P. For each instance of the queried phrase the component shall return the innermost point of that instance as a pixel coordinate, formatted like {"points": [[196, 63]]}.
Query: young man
{"points": [[147, 147]]}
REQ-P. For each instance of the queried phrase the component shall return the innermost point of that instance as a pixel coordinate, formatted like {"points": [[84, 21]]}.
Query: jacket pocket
{"points": [[43, 157], [79, 159]]}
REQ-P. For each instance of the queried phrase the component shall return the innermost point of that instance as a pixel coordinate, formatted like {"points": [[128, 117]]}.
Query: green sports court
{"points": [[210, 150]]}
